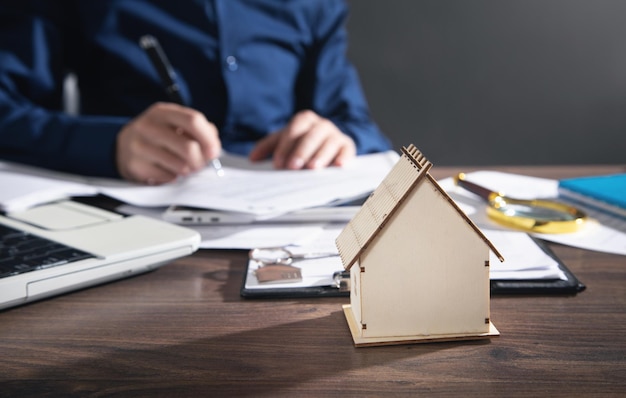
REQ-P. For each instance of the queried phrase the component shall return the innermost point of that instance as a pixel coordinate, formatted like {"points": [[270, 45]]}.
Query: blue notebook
{"points": [[606, 192]]}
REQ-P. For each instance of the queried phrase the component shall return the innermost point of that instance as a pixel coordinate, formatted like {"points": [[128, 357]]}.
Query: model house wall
{"points": [[419, 267], [425, 273]]}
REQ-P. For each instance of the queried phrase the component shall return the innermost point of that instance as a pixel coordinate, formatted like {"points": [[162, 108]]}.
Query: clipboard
{"points": [[571, 286], [340, 289], [297, 292], [538, 286]]}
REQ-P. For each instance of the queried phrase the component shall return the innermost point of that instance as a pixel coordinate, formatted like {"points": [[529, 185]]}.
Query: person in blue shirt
{"points": [[262, 78]]}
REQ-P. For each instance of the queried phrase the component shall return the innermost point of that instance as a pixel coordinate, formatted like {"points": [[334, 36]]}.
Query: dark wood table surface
{"points": [[183, 330]]}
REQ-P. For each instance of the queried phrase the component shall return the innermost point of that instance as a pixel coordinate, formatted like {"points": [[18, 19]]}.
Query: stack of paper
{"points": [[250, 188], [257, 189]]}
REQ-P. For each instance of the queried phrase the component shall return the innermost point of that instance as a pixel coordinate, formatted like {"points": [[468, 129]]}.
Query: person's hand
{"points": [[165, 141], [308, 141]]}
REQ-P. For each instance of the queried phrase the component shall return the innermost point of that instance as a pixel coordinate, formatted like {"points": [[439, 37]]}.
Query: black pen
{"points": [[163, 67], [167, 75]]}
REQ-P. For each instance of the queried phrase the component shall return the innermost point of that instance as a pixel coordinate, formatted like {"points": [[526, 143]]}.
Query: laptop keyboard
{"points": [[24, 252]]}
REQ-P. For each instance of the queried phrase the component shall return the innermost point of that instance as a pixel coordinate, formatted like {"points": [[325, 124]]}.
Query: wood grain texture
{"points": [[183, 330]]}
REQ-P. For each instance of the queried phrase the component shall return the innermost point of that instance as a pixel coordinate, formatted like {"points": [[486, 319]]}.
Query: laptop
{"points": [[340, 211], [67, 245]]}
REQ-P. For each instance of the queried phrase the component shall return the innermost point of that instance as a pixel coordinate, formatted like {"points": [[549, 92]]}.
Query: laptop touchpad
{"points": [[64, 215]]}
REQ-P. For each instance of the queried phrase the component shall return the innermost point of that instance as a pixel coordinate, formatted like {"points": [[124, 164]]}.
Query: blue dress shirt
{"points": [[248, 65]]}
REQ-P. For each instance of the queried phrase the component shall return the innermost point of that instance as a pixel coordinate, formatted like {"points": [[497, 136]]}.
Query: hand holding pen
{"points": [[167, 140], [162, 64]]}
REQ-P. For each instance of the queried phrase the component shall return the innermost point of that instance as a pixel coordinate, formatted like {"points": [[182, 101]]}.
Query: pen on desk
{"points": [[167, 75]]}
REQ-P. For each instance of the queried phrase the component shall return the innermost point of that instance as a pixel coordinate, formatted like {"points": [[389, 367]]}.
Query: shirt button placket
{"points": [[231, 62]]}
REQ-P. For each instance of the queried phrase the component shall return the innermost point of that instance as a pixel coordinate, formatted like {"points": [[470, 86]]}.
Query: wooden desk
{"points": [[183, 330]]}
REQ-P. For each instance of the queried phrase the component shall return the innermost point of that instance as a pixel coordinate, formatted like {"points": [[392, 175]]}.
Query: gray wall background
{"points": [[496, 82]]}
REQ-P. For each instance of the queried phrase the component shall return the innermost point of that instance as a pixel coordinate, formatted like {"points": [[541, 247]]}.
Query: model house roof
{"points": [[409, 171]]}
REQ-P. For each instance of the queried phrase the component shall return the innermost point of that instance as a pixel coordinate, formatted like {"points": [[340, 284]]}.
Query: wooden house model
{"points": [[419, 267]]}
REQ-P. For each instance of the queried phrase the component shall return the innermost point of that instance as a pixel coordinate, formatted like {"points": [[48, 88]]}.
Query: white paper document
{"points": [[246, 187], [256, 188], [523, 259]]}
